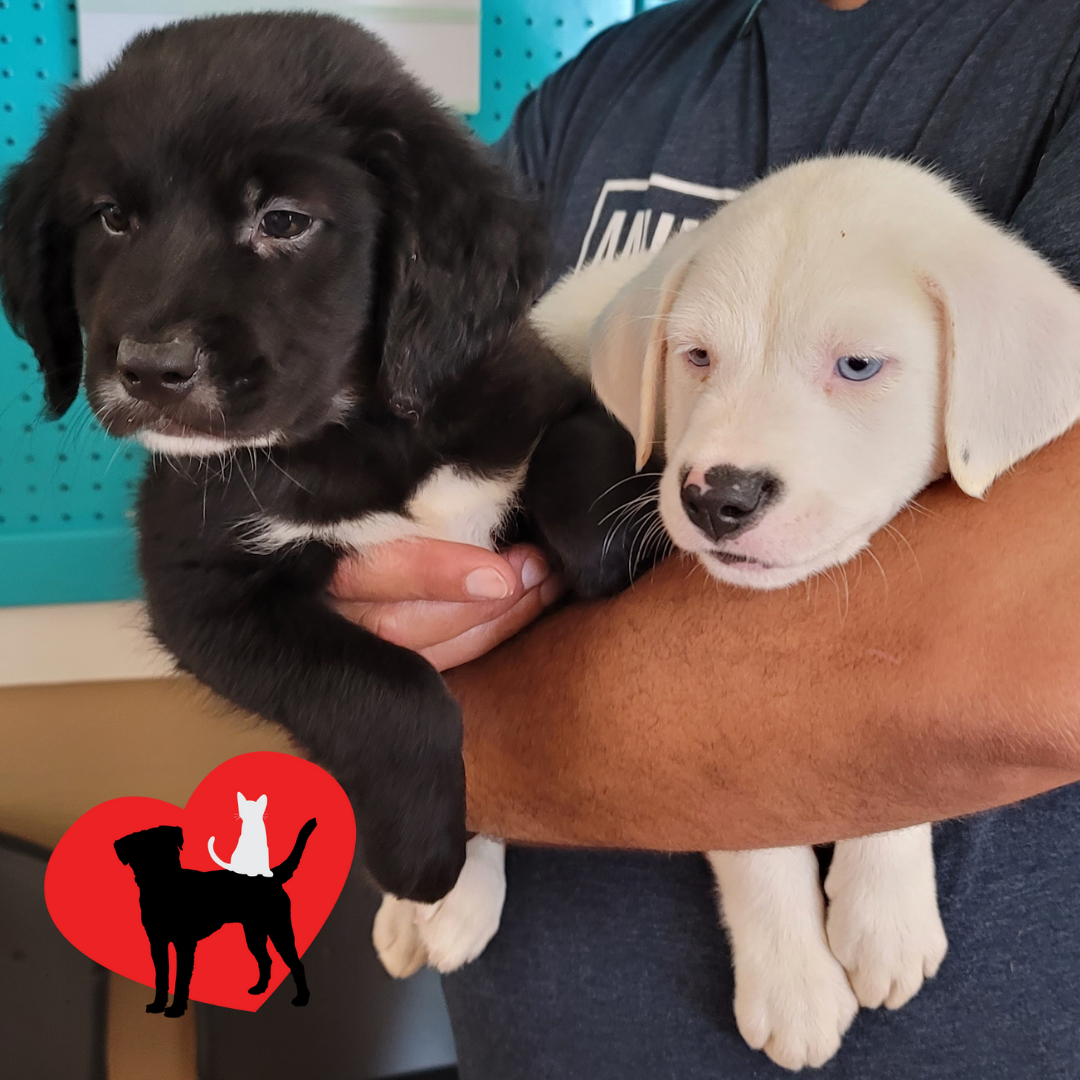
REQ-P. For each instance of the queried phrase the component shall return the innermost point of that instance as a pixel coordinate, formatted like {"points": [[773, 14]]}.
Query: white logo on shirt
{"points": [[673, 206]]}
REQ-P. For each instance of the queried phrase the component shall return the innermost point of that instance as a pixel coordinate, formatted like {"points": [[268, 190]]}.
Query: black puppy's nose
{"points": [[731, 501], [159, 372]]}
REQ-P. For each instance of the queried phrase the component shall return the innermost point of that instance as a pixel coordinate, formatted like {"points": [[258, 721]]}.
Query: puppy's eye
{"points": [[284, 224], [698, 357], [858, 368], [115, 221]]}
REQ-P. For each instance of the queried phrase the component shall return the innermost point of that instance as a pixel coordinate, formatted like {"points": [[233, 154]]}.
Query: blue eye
{"points": [[858, 368]]}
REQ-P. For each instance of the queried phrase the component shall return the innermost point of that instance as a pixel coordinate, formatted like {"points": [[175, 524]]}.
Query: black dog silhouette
{"points": [[184, 906]]}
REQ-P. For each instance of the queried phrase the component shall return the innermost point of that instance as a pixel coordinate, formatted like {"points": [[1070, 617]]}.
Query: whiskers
{"points": [[649, 540]]}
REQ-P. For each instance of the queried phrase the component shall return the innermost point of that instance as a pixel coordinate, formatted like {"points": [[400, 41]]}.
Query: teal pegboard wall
{"points": [[65, 488]]}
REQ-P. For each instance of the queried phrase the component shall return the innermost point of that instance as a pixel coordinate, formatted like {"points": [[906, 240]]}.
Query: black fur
{"points": [[393, 341], [181, 907]]}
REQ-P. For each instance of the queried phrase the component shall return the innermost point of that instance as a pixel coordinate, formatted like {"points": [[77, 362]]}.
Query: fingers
{"points": [[437, 570], [482, 638], [411, 593], [418, 624]]}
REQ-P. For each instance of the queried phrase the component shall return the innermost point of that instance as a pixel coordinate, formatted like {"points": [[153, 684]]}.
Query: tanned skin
{"points": [[943, 679]]}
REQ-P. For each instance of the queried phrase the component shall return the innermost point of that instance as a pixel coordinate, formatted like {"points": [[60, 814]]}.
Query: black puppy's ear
{"points": [[36, 265], [178, 836], [464, 256]]}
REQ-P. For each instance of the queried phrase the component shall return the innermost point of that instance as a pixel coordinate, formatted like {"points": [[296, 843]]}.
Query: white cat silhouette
{"points": [[251, 856]]}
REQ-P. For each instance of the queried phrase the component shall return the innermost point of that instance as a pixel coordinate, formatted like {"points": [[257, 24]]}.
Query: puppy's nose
{"points": [[726, 500], [161, 373]]}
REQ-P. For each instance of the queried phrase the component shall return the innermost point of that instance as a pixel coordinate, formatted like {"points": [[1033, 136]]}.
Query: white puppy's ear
{"points": [[1012, 328], [628, 344]]}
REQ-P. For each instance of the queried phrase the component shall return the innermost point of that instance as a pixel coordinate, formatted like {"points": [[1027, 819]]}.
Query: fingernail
{"points": [[532, 573], [484, 583]]}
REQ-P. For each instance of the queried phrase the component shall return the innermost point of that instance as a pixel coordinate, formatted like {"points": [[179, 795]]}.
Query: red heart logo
{"points": [[94, 900]]}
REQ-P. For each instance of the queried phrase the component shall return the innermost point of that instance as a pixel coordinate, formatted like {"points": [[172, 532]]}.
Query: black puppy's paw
{"points": [[302, 998], [417, 854], [155, 1007], [258, 988], [174, 1011], [593, 512]]}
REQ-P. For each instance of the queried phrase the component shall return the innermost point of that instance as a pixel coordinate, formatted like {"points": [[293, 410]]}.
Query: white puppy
{"points": [[840, 335]]}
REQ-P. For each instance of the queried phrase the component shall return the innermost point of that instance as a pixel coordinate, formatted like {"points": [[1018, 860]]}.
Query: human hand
{"points": [[449, 602]]}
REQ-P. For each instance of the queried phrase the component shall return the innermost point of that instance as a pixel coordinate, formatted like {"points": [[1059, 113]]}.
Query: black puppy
{"points": [[184, 906], [304, 286]]}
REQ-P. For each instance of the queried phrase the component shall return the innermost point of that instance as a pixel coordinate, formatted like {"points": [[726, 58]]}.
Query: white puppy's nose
{"points": [[725, 500]]}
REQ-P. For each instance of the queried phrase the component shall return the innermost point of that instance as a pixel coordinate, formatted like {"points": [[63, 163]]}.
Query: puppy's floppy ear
{"points": [[36, 265], [177, 836], [1012, 342], [463, 256], [628, 345]]}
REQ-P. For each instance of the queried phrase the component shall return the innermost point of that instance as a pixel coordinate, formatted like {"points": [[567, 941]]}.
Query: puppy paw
{"points": [[397, 939], [456, 929], [155, 1007], [889, 942], [795, 1006], [883, 922], [174, 1011]]}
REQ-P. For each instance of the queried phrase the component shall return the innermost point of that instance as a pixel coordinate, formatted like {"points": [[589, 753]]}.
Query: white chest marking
{"points": [[449, 505]]}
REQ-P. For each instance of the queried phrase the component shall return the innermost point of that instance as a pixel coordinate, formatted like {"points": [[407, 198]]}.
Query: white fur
{"points": [[883, 921], [449, 505], [792, 998], [201, 445], [844, 256], [454, 930]]}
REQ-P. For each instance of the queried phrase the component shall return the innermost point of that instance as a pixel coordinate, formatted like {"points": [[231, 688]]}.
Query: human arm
{"points": [[684, 715]]}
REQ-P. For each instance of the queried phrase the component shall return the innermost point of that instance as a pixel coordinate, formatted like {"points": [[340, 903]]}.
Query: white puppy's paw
{"points": [[883, 921], [456, 929], [889, 943], [397, 939], [795, 1006]]}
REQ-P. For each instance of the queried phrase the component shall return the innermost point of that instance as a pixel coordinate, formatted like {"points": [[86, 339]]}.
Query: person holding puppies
{"points": [[679, 718]]}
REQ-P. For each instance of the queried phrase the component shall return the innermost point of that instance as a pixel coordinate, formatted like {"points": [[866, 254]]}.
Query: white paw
{"points": [[889, 942], [396, 937], [795, 1004], [457, 928], [883, 922]]}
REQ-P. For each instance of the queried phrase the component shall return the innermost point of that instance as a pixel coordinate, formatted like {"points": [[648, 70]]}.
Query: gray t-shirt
{"points": [[661, 119], [610, 965]]}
